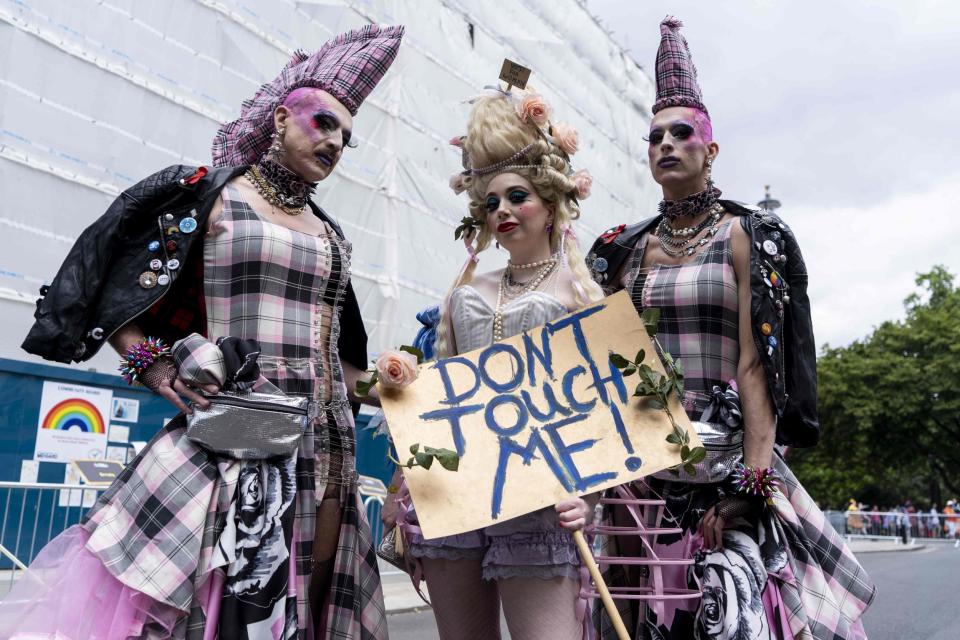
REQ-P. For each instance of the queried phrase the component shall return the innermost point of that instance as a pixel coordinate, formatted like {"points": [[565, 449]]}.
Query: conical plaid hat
{"points": [[347, 67], [676, 76]]}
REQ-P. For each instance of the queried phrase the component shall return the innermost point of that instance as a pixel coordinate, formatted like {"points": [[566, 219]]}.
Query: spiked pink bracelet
{"points": [[755, 482], [140, 356]]}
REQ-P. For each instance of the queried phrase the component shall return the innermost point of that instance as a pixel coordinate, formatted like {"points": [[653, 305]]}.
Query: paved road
{"points": [[918, 599], [918, 594]]}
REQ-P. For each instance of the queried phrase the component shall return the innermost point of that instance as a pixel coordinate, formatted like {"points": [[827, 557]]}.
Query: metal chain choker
{"points": [[691, 205], [280, 187]]}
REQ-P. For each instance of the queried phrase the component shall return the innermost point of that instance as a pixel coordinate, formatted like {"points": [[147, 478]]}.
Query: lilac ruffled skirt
{"points": [[68, 593], [532, 545]]}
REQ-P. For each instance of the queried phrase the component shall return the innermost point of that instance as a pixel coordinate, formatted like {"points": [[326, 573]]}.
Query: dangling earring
{"points": [[276, 147], [549, 228], [497, 243], [709, 172]]}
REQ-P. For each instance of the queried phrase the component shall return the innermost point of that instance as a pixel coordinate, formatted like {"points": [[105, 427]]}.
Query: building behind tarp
{"points": [[96, 95]]}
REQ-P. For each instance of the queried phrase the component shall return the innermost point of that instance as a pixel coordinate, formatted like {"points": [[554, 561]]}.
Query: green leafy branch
{"points": [[658, 387], [468, 226], [449, 460], [363, 387]]}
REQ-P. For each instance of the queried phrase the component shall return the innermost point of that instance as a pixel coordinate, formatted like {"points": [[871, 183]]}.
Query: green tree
{"points": [[890, 407]]}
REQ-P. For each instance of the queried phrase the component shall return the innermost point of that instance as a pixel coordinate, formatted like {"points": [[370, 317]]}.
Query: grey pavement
{"points": [[399, 596], [918, 595]]}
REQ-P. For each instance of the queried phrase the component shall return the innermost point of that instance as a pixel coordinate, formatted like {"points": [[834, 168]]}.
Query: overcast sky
{"points": [[850, 110]]}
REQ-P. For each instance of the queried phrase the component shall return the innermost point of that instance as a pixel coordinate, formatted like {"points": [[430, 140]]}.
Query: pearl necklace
{"points": [[531, 265], [686, 245], [503, 293], [686, 232]]}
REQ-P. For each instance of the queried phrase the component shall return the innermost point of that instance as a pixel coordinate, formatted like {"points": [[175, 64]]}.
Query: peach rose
{"points": [[457, 141], [535, 109], [566, 138], [457, 183], [583, 181], [396, 369]]}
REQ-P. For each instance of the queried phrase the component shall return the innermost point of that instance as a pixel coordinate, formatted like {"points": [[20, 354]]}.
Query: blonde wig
{"points": [[497, 132]]}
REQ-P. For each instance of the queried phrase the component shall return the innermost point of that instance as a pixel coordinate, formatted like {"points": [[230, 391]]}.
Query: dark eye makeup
{"points": [[680, 131], [517, 196], [327, 121]]}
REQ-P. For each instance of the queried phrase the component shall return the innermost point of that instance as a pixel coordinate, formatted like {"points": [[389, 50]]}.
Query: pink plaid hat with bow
{"points": [[676, 76], [347, 67]]}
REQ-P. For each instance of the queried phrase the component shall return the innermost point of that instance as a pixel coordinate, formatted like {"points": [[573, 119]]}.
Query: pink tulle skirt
{"points": [[68, 594]]}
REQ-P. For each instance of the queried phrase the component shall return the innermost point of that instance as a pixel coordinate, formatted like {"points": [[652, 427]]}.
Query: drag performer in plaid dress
{"points": [[787, 560], [188, 544], [730, 285]]}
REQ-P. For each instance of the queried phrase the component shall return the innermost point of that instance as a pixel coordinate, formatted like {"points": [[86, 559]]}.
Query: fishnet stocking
{"points": [[465, 605], [538, 609]]}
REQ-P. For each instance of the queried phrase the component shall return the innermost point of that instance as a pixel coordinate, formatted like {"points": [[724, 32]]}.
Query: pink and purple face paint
{"points": [[694, 118], [311, 109]]}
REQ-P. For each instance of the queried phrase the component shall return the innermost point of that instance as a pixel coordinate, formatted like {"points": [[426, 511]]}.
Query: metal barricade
{"points": [[374, 493], [899, 527], [35, 513]]}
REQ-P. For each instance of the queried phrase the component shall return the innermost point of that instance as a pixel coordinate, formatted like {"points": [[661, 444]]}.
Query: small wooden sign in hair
{"points": [[514, 74]]}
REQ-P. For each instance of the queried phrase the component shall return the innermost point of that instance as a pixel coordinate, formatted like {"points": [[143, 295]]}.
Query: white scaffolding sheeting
{"points": [[95, 95]]}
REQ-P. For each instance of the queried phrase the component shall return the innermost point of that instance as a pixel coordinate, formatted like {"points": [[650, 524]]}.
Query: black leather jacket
{"points": [[98, 290], [779, 309]]}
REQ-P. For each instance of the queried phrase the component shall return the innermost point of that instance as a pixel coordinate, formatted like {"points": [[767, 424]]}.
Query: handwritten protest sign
{"points": [[535, 418]]}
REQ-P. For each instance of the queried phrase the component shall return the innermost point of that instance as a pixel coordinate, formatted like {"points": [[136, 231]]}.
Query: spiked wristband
{"points": [[755, 482], [140, 356]]}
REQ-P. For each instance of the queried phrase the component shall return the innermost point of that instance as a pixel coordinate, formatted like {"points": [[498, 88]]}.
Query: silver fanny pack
{"points": [[249, 425], [720, 429]]}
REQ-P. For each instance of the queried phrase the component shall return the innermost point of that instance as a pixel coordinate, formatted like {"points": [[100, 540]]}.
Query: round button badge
{"points": [[770, 247], [188, 225], [163, 280], [147, 279], [173, 264], [156, 264]]}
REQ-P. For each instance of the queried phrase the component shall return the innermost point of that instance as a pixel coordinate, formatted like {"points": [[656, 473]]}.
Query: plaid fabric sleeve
{"points": [[199, 361]]}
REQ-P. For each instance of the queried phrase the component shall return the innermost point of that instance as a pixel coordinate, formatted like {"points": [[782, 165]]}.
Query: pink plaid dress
{"points": [[785, 575], [284, 288], [186, 545]]}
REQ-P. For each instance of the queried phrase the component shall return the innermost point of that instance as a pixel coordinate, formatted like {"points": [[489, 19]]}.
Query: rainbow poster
{"points": [[72, 422], [77, 414]]}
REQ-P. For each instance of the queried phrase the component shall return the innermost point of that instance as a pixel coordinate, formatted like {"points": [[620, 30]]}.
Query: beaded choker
{"points": [[691, 205], [281, 187]]}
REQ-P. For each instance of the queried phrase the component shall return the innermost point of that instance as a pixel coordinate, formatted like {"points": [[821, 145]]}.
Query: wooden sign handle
{"points": [[587, 557]]}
